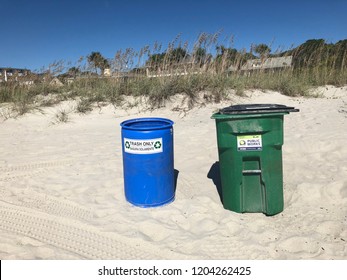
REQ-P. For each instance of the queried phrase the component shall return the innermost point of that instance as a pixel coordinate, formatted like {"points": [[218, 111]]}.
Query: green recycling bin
{"points": [[250, 139]]}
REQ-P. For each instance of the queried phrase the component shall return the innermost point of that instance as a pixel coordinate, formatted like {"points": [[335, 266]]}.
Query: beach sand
{"points": [[62, 193]]}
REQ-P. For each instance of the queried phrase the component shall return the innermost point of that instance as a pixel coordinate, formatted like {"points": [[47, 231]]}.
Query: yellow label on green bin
{"points": [[249, 143]]}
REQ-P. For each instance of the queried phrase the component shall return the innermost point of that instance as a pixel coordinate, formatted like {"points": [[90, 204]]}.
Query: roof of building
{"points": [[269, 63]]}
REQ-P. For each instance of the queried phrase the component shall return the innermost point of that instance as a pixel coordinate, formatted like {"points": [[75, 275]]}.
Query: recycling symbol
{"points": [[127, 144], [157, 145]]}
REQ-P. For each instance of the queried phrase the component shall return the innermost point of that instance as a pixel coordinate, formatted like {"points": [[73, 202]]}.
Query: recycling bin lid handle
{"points": [[257, 108]]}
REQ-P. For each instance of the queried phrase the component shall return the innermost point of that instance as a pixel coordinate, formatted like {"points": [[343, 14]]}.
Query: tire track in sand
{"points": [[45, 203], [29, 167], [11, 173], [85, 240]]}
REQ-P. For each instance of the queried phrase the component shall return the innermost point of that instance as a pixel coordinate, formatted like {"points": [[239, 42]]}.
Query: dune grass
{"points": [[179, 70]]}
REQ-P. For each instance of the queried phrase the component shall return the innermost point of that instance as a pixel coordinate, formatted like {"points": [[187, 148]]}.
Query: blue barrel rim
{"points": [[128, 123]]}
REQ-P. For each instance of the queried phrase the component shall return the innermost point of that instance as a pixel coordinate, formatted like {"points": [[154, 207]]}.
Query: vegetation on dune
{"points": [[97, 61], [159, 74]]}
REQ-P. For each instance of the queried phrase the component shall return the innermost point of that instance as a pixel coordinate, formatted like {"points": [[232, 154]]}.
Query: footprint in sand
{"points": [[299, 245]]}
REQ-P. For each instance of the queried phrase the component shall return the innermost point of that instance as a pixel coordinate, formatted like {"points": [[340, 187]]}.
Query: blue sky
{"points": [[38, 32]]}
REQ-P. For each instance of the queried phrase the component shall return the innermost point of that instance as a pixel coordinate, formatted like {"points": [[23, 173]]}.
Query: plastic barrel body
{"points": [[148, 161]]}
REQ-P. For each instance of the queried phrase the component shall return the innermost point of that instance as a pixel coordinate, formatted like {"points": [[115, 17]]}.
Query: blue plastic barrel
{"points": [[148, 161]]}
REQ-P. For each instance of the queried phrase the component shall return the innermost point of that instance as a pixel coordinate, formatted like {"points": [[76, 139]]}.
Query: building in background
{"points": [[270, 63], [13, 74]]}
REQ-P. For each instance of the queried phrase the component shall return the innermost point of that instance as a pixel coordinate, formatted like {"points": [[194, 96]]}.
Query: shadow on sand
{"points": [[214, 175]]}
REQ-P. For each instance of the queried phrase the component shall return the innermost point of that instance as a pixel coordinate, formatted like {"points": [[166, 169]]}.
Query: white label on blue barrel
{"points": [[143, 146], [249, 143]]}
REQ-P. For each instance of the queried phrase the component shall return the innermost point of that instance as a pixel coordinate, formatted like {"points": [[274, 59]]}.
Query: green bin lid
{"points": [[257, 109]]}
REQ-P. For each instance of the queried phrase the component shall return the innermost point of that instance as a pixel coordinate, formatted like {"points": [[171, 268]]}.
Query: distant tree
{"points": [[228, 53], [155, 60], [201, 57], [310, 53], [97, 61], [176, 55], [263, 50], [167, 58], [73, 71], [138, 70], [340, 54], [199, 54], [246, 56], [227, 57]]}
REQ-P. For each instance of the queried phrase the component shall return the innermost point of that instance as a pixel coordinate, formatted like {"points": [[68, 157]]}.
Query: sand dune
{"points": [[62, 194]]}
